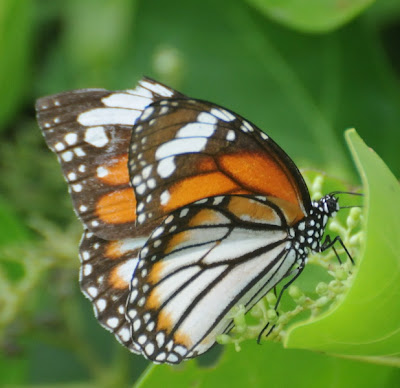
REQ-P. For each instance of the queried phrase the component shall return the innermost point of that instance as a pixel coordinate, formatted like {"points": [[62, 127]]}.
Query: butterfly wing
{"points": [[202, 260], [90, 131], [105, 275], [183, 150]]}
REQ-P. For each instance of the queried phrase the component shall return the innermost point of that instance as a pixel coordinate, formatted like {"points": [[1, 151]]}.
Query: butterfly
{"points": [[188, 210]]}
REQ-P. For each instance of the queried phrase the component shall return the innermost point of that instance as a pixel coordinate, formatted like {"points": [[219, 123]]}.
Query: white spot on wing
{"points": [[67, 156], [108, 116], [246, 127], [149, 349], [112, 322], [124, 100], [147, 171], [124, 334], [222, 114], [72, 176], [79, 151], [96, 136], [205, 117], [164, 197], [197, 129], [166, 167], [180, 146], [157, 88], [146, 114], [71, 138], [59, 146], [141, 188], [140, 91], [92, 291], [101, 172], [101, 304], [126, 270], [77, 188], [172, 358], [230, 136]]}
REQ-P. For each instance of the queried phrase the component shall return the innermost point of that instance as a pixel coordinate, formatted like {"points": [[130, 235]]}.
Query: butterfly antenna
{"points": [[346, 192]]}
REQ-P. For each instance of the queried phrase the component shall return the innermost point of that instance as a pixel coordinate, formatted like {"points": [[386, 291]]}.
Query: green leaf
{"points": [[366, 324], [311, 15], [15, 50], [11, 228], [270, 365], [13, 369]]}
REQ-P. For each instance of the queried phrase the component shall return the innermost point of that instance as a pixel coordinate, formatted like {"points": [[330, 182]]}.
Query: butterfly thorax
{"points": [[307, 234]]}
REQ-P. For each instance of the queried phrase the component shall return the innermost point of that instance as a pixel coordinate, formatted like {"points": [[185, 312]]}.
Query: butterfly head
{"points": [[310, 230], [326, 207]]}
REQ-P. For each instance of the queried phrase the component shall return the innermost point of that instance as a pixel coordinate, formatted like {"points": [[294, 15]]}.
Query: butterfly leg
{"points": [[297, 273], [328, 243]]}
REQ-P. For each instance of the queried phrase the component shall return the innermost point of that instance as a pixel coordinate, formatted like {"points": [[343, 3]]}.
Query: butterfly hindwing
{"points": [[106, 272], [190, 272], [183, 150]]}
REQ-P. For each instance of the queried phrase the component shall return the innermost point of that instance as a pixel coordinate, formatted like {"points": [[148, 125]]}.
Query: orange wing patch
{"points": [[115, 173], [260, 174], [207, 217], [117, 207], [116, 280], [155, 274], [177, 240], [153, 301], [250, 210], [291, 212], [237, 173], [198, 187], [182, 338], [113, 250], [164, 322]]}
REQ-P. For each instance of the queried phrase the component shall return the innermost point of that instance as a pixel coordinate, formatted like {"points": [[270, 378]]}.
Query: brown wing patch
{"points": [[117, 207], [206, 164]]}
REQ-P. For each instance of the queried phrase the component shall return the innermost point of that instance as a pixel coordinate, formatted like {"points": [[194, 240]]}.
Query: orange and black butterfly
{"points": [[188, 210]]}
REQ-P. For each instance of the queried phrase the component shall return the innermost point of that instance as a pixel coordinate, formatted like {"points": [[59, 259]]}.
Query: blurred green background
{"points": [[303, 70]]}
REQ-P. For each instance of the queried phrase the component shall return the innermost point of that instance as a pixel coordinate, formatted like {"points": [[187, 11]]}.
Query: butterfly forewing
{"points": [[183, 150], [90, 131], [200, 262]]}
